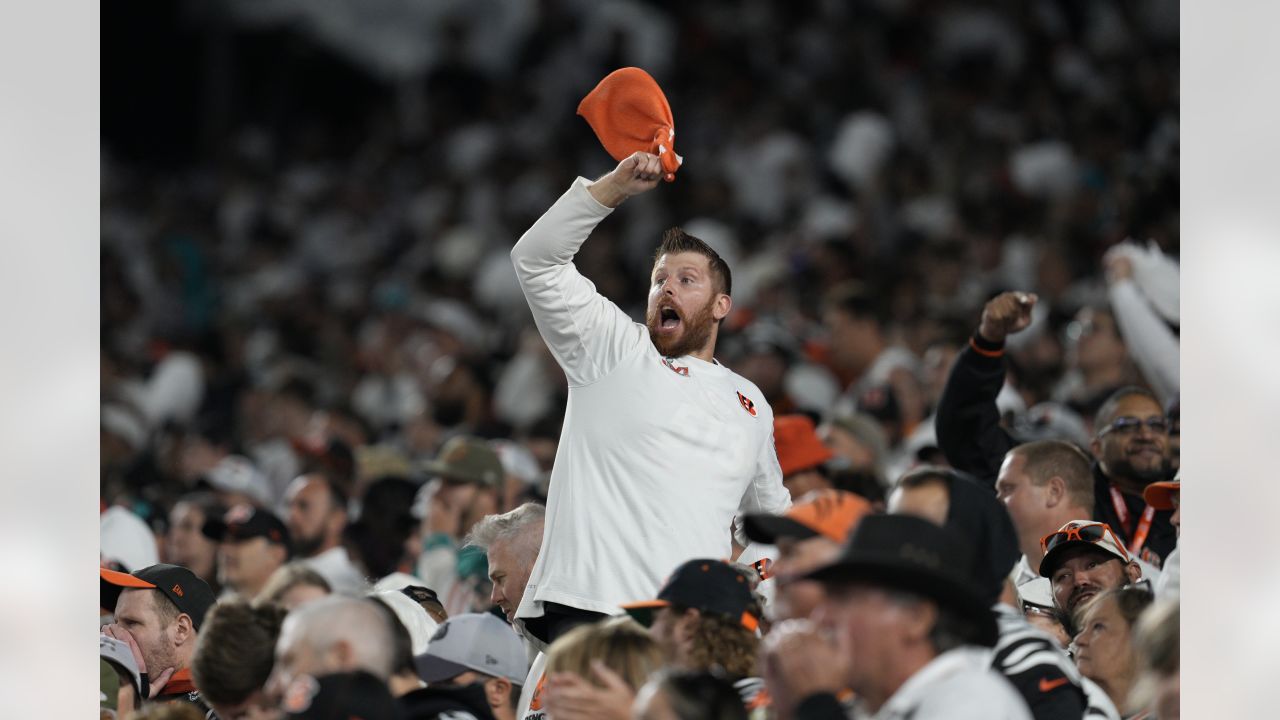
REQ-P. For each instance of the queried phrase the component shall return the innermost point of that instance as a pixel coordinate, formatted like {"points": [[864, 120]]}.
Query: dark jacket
{"points": [[971, 438], [460, 703]]}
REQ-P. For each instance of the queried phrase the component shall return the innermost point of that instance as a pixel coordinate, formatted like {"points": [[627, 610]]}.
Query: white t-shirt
{"points": [[956, 685], [335, 566], [657, 456]]}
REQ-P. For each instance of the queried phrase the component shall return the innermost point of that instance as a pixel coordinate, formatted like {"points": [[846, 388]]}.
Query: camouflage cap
{"points": [[467, 459]]}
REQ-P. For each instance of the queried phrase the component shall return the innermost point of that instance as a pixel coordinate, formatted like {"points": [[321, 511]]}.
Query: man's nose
{"points": [[495, 595]]}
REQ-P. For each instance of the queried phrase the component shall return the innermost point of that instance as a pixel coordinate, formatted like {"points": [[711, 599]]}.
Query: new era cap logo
{"points": [[177, 590], [490, 660]]}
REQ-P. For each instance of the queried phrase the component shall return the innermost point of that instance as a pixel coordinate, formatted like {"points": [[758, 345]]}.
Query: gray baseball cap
{"points": [[119, 654], [478, 642]]}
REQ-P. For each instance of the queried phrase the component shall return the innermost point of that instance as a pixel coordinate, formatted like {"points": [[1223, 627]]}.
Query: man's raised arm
{"points": [[968, 422], [586, 333]]}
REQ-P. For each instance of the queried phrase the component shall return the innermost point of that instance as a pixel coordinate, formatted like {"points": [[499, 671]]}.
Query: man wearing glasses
{"points": [[1131, 444]]}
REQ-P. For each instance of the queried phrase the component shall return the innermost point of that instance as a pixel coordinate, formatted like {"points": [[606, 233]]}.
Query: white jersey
{"points": [[657, 455]]}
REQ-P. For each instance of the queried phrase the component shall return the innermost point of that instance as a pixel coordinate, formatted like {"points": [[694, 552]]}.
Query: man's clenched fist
{"points": [[637, 173], [1006, 314]]}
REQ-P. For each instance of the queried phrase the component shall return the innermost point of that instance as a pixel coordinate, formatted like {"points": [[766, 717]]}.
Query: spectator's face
{"points": [[684, 305], [1103, 650], [870, 629], [853, 340], [184, 543], [245, 565], [1138, 452], [508, 574], [312, 516], [1087, 572], [799, 598], [1096, 343], [847, 445], [136, 612], [1024, 499]]}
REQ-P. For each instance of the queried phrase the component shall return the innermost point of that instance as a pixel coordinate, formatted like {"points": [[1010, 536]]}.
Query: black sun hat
{"points": [[904, 552], [192, 595]]}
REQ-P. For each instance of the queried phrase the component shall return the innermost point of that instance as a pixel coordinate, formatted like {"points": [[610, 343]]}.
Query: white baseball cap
{"points": [[478, 642]]}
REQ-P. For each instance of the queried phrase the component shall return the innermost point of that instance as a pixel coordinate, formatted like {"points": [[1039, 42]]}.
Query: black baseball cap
{"points": [[710, 586], [192, 595], [244, 522]]}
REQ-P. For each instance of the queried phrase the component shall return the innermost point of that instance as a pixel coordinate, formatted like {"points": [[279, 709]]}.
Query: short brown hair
{"points": [[1049, 458], [236, 649], [676, 240]]}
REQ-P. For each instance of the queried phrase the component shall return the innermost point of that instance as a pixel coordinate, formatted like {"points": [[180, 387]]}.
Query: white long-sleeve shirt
{"points": [[1151, 344], [956, 685], [657, 455]]}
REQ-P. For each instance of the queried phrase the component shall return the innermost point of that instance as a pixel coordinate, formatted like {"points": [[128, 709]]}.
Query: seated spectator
{"points": [[330, 635], [595, 670], [474, 664], [293, 584], [801, 455], [1083, 559], [1043, 484], [705, 616], [185, 545], [317, 520], [808, 536], [1104, 647], [159, 611], [233, 658], [858, 442], [340, 696], [253, 543], [911, 631], [689, 695]]}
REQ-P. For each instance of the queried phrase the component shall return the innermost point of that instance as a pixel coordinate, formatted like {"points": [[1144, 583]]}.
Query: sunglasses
{"points": [[1084, 533], [1128, 425]]}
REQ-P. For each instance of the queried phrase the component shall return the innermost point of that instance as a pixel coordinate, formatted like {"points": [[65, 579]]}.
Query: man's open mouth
{"points": [[668, 318]]}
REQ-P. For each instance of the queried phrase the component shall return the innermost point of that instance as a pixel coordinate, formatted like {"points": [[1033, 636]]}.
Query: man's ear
{"points": [[497, 692], [182, 631], [1133, 571], [1055, 491], [723, 305]]}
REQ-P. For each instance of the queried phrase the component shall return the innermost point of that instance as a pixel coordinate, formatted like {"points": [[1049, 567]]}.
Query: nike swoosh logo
{"points": [[1046, 684]]}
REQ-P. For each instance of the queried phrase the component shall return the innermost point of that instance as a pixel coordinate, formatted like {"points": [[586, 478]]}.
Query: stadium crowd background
{"points": [[304, 244]]}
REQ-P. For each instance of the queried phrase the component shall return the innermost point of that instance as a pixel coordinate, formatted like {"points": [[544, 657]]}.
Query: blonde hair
{"points": [[287, 577], [620, 643]]}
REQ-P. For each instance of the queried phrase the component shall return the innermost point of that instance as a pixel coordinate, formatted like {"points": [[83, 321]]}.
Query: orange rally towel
{"points": [[629, 113]]}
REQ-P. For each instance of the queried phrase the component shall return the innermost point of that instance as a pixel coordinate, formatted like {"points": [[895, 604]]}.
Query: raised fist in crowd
{"points": [[1006, 314], [638, 172]]}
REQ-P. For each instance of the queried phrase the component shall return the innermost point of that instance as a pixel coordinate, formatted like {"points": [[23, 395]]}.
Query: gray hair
{"points": [[333, 619], [524, 525]]}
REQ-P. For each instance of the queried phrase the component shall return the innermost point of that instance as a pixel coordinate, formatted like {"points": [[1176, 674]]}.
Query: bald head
{"points": [[333, 634]]}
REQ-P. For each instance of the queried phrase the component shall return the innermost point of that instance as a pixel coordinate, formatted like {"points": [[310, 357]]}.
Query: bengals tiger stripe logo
{"points": [[747, 405]]}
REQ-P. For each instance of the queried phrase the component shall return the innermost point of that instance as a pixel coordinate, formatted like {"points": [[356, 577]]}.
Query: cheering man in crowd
{"points": [[1130, 444], [662, 446]]}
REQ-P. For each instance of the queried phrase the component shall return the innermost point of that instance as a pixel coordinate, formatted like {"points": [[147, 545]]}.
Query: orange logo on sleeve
{"points": [[1046, 684], [535, 703]]}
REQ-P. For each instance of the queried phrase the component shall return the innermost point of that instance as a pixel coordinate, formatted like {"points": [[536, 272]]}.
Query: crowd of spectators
{"points": [[329, 423]]}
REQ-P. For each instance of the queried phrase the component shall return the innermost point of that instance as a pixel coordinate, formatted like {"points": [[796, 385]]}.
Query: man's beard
{"points": [[1156, 473], [307, 546], [695, 334]]}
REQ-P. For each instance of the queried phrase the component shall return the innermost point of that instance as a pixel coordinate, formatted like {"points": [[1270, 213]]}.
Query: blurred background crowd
{"points": [[307, 210]]}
